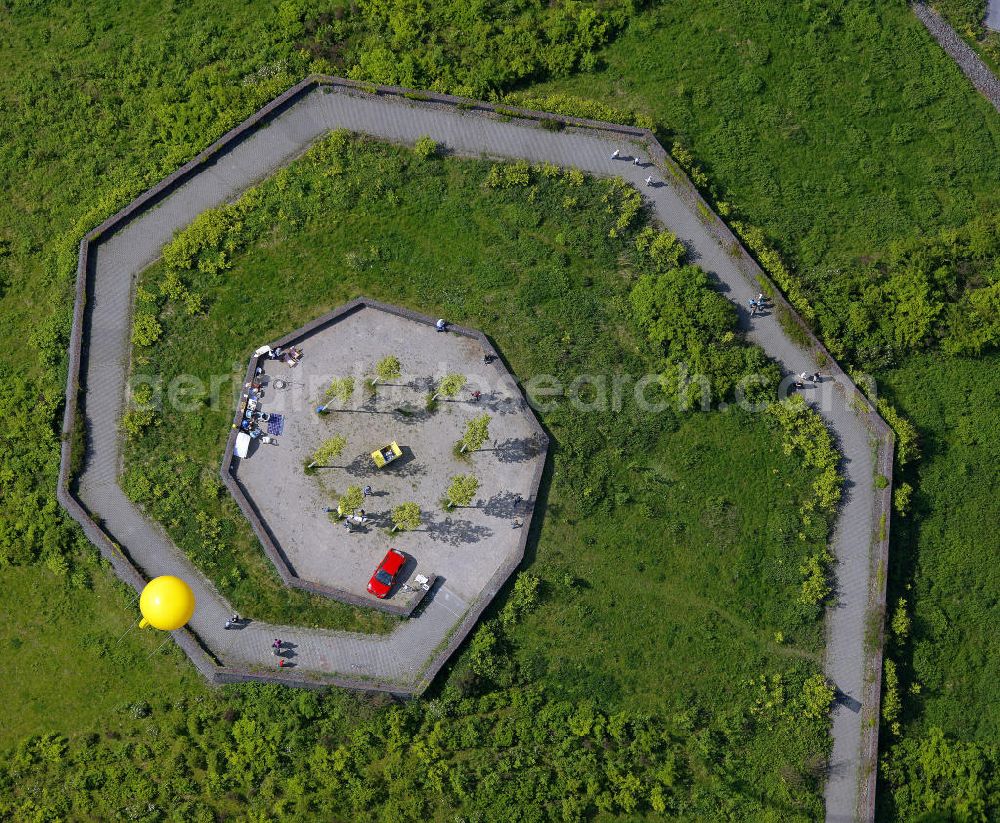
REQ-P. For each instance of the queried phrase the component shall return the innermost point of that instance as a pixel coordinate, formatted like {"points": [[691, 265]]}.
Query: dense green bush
{"points": [[260, 752], [694, 327], [934, 777], [924, 292], [474, 51]]}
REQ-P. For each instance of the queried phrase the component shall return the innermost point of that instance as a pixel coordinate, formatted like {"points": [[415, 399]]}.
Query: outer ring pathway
{"points": [[402, 659]]}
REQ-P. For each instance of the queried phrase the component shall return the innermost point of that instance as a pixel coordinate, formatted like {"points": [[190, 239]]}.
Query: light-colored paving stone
{"points": [[466, 546]]}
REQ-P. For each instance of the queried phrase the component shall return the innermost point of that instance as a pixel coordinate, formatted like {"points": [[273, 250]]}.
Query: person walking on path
{"points": [[616, 154], [276, 647], [367, 491], [649, 180], [635, 161], [753, 307]]}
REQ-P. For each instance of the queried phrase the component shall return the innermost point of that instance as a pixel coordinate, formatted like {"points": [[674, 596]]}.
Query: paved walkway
{"points": [[992, 20], [398, 656]]}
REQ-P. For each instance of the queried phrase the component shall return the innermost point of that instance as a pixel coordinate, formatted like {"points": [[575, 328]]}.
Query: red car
{"points": [[386, 573]]}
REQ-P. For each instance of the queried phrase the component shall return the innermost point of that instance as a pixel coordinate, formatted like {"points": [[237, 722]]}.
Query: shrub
{"points": [[482, 657], [933, 777], [900, 624], [663, 248], [805, 433], [907, 446], [901, 498], [425, 147], [136, 420], [772, 263], [892, 704], [686, 161], [146, 330], [817, 695], [815, 585], [523, 598], [509, 175], [586, 109], [624, 202]]}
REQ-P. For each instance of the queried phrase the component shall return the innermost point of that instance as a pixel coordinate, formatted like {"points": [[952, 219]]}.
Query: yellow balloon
{"points": [[166, 603]]}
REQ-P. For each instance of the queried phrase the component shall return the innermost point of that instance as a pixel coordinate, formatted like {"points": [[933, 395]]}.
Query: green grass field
{"points": [[74, 664], [944, 565], [837, 126]]}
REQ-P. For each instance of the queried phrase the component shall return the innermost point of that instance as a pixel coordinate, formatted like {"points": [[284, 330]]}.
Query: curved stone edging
{"points": [[860, 541]]}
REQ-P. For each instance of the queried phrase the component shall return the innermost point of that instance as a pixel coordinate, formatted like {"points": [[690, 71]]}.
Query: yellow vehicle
{"points": [[386, 454]]}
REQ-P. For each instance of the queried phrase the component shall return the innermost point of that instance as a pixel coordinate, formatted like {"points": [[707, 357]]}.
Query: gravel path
{"points": [[398, 657], [969, 62]]}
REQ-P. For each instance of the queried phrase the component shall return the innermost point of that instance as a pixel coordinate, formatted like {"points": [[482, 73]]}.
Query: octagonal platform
{"points": [[464, 546]]}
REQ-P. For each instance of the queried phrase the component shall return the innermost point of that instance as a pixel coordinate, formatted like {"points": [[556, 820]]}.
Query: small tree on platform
{"points": [[388, 368], [462, 489], [406, 517], [329, 450], [341, 389], [350, 500], [450, 385], [477, 432]]}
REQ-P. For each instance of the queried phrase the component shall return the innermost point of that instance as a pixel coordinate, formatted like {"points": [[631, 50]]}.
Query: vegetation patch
{"points": [[351, 217]]}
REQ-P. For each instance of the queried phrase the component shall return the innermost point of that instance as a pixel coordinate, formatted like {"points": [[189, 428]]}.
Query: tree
{"points": [[477, 431], [388, 368], [406, 516], [450, 385], [341, 388], [329, 450], [351, 500], [462, 489]]}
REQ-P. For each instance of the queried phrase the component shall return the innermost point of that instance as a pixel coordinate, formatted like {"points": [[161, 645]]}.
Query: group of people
{"points": [[757, 304], [290, 356], [276, 647], [254, 416], [805, 377]]}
